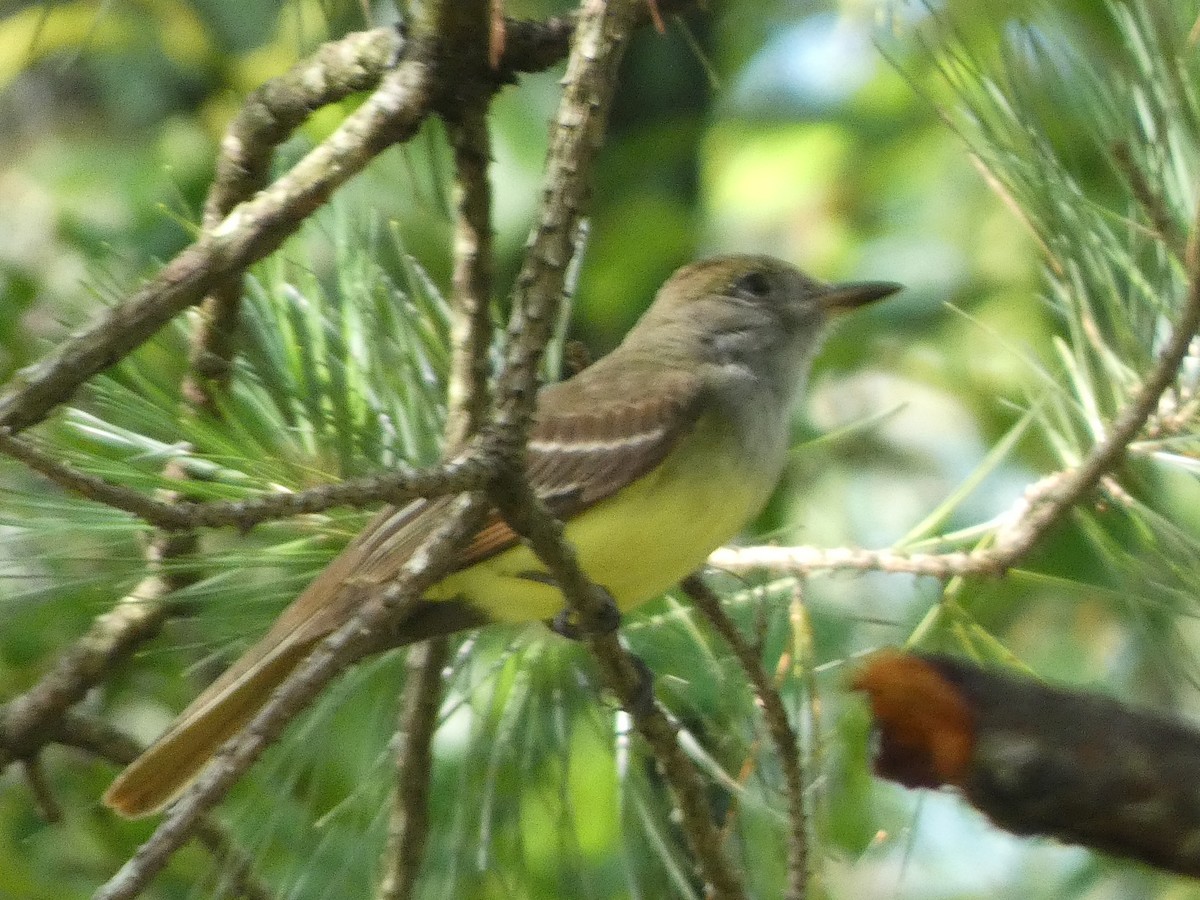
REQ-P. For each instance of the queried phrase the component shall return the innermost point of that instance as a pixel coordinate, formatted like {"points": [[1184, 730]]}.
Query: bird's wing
{"points": [[592, 435], [583, 452]]}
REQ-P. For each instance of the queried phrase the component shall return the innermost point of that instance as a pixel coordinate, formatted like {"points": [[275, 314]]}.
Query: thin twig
{"points": [[256, 227], [577, 135], [398, 486], [471, 326], [161, 513], [251, 231], [409, 824], [43, 798], [805, 560], [1015, 542], [28, 721], [787, 745], [1164, 224], [235, 869], [468, 30], [600, 40], [270, 114]]}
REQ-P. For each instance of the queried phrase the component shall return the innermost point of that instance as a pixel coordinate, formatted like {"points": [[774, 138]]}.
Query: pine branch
{"points": [[591, 77], [591, 71], [787, 743], [471, 326], [31, 720], [466, 27], [254, 229], [408, 825], [266, 119], [94, 736], [235, 236], [461, 473]]}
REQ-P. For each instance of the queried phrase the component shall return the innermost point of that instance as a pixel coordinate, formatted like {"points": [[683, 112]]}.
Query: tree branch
{"points": [[787, 744], [409, 824], [250, 232], [471, 325], [462, 473], [626, 676], [267, 118], [29, 721], [256, 227], [98, 738], [465, 28], [600, 40]]}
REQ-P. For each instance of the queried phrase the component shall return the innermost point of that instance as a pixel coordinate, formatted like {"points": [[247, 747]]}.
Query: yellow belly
{"points": [[636, 544]]}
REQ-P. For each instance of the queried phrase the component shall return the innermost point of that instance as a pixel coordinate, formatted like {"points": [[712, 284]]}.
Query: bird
{"points": [[653, 456]]}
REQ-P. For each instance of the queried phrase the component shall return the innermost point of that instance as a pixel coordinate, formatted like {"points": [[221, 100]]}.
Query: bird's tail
{"points": [[172, 762]]}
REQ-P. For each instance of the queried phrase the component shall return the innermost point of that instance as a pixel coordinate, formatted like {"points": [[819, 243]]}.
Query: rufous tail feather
{"points": [[169, 765]]}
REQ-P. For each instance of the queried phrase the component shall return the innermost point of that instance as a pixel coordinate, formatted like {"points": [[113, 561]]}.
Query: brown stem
{"points": [[471, 327], [98, 738], [465, 27], [600, 39], [409, 824], [251, 231], [254, 228], [787, 745], [459, 474]]}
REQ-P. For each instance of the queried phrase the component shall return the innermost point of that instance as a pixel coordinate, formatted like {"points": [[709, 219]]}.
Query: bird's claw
{"points": [[566, 623]]}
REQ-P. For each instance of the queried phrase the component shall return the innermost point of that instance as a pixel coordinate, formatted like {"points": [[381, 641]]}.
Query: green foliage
{"points": [[1084, 120]]}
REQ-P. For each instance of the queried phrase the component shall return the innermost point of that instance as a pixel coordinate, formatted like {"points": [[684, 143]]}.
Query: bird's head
{"points": [[753, 311]]}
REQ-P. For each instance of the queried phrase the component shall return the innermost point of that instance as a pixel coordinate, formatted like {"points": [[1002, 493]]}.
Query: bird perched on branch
{"points": [[653, 457]]}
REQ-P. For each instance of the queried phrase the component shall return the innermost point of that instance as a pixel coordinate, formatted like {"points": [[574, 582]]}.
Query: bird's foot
{"points": [[566, 623]]}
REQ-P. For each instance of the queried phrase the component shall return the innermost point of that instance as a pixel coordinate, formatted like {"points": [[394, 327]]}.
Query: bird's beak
{"points": [[842, 298]]}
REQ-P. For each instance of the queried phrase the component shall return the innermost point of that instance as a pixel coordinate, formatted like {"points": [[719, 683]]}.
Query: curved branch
{"points": [[250, 232], [96, 737], [787, 744], [409, 823], [30, 720], [462, 473], [236, 236], [600, 40]]}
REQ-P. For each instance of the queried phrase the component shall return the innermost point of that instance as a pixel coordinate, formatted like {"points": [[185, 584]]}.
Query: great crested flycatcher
{"points": [[653, 457]]}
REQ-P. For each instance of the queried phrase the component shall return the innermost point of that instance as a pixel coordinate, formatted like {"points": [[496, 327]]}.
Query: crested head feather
{"points": [[741, 274], [751, 316]]}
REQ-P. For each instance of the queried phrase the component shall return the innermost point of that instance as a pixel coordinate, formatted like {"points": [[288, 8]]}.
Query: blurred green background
{"points": [[820, 132]]}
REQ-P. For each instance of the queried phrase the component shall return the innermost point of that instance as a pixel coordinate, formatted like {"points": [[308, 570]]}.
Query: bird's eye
{"points": [[751, 286]]}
